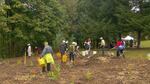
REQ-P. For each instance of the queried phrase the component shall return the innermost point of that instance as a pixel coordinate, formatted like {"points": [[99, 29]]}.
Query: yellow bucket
{"points": [[58, 54], [64, 58], [41, 61]]}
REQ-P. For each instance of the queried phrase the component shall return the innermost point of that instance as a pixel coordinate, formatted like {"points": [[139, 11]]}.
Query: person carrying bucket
{"points": [[47, 57], [62, 49]]}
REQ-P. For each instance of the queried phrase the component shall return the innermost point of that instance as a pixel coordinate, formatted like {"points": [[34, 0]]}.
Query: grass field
{"points": [[137, 53], [145, 44], [134, 53], [142, 53]]}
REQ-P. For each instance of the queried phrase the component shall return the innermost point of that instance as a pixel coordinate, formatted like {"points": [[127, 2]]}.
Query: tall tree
{"points": [[30, 21], [133, 22], [96, 18]]}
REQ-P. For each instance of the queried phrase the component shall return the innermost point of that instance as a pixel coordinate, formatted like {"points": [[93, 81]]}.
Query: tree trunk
{"points": [[139, 39], [119, 36]]}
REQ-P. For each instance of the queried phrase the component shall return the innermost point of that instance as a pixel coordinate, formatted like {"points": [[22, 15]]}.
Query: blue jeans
{"points": [[120, 50]]}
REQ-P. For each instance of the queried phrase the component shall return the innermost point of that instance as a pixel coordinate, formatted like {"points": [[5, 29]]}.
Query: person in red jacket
{"points": [[120, 47]]}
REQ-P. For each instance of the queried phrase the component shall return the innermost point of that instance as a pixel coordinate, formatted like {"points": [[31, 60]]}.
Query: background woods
{"points": [[36, 21]]}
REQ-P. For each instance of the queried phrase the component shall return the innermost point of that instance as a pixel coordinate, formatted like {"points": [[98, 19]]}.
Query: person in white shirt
{"points": [[102, 45], [29, 51]]}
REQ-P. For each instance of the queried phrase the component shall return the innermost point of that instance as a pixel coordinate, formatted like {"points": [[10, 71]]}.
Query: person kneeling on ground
{"points": [[47, 57], [72, 49], [120, 47]]}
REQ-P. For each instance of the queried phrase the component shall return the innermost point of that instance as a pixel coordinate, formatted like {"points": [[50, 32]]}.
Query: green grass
{"points": [[145, 44], [137, 53], [134, 53]]}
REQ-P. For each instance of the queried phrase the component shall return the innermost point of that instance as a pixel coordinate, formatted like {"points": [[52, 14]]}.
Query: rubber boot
{"points": [[118, 53], [48, 67], [43, 69]]}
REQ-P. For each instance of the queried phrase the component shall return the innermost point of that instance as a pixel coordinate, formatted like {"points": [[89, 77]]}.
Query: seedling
{"points": [[89, 75], [129, 70], [54, 75], [7, 62], [33, 72], [31, 64], [18, 62], [72, 82]]}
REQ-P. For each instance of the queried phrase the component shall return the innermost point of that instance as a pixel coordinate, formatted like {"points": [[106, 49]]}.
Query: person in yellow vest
{"points": [[47, 57]]}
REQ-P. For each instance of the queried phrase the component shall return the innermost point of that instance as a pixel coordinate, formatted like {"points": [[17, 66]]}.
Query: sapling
{"points": [[72, 82], [18, 62], [31, 64], [88, 75], [54, 75]]}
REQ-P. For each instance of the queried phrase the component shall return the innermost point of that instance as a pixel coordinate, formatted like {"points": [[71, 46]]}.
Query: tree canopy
{"points": [[36, 21]]}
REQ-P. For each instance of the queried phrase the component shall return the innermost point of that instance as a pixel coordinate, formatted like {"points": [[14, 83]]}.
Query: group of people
{"points": [[88, 46], [70, 48], [46, 56], [47, 53], [119, 46]]}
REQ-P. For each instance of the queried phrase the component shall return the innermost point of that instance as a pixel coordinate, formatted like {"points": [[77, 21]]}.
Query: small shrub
{"points": [[7, 62], [18, 62], [31, 64], [54, 75], [72, 82], [89, 75]]}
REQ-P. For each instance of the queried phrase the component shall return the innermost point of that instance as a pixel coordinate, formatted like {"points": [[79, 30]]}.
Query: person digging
{"points": [[47, 57]]}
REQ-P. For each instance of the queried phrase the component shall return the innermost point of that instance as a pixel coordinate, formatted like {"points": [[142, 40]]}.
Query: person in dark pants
{"points": [[87, 45], [131, 43], [72, 56], [62, 48], [111, 45], [72, 49], [47, 57]]}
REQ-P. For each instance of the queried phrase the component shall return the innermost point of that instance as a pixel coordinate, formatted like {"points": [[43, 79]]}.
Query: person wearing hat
{"points": [[29, 50], [72, 49], [62, 48], [102, 45], [47, 56]]}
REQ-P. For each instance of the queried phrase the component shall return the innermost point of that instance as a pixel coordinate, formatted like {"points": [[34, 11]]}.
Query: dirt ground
{"points": [[94, 70]]}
